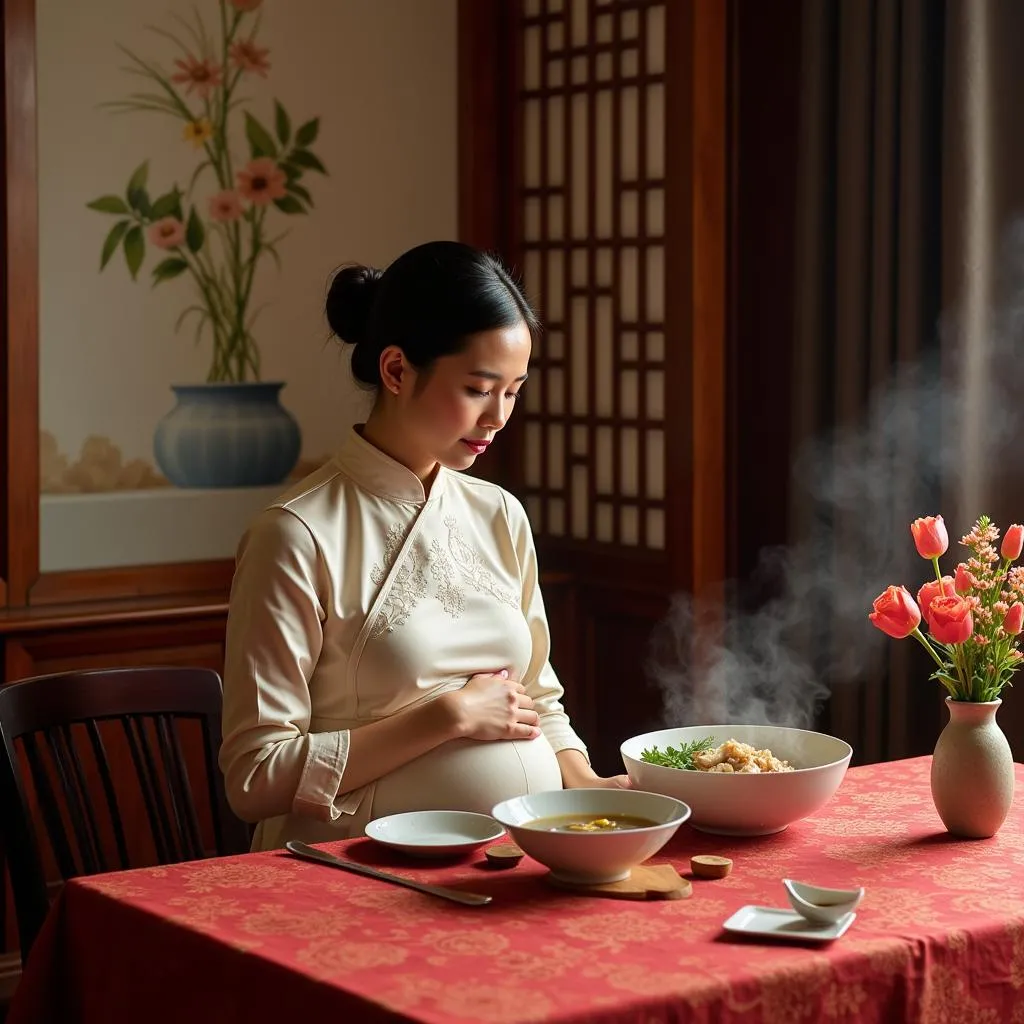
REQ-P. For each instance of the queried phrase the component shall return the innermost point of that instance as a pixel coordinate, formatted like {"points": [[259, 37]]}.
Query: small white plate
{"points": [[434, 833], [775, 923]]}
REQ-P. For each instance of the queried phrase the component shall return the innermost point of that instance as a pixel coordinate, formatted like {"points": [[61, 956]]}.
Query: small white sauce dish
{"points": [[822, 906]]}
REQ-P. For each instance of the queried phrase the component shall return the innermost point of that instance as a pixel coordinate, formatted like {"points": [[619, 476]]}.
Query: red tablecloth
{"points": [[939, 936]]}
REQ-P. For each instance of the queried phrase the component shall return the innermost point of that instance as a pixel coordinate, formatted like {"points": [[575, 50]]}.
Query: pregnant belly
{"points": [[466, 775]]}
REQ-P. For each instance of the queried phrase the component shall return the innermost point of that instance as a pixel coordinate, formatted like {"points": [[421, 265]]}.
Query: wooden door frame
{"points": [[696, 233], [697, 212]]}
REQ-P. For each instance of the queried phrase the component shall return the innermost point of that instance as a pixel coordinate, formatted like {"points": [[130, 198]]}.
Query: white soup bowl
{"points": [[591, 858]]}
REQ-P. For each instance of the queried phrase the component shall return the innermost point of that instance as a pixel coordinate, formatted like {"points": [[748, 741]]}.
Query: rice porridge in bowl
{"points": [[742, 780]]}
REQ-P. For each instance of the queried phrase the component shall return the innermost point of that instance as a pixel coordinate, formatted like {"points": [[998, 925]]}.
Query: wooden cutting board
{"points": [[645, 882]]}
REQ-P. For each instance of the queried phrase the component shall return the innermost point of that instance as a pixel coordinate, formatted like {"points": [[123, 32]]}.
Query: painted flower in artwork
{"points": [[218, 228], [226, 206], [247, 56], [167, 233], [198, 132], [262, 181], [199, 76]]}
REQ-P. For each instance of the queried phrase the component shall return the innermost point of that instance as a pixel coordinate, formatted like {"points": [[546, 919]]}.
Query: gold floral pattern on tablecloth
{"points": [[204, 911], [864, 854], [1016, 931], [938, 939], [886, 957], [468, 1000], [844, 1002], [328, 957], [117, 886], [897, 909], [947, 1001], [551, 960], [837, 825], [997, 902], [792, 992], [471, 942], [884, 801], [616, 930], [236, 874], [279, 919], [966, 874]]}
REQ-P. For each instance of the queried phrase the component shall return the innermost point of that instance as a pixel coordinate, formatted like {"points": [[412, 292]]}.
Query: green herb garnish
{"points": [[678, 757]]}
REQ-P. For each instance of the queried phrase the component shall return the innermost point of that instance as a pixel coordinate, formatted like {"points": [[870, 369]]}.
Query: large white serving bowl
{"points": [[591, 858], [745, 805]]}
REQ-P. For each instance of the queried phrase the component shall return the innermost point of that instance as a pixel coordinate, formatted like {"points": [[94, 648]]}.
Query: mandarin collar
{"points": [[380, 474]]}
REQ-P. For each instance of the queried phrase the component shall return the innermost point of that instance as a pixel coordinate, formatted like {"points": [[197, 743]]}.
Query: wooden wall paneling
{"points": [[625, 701], [765, 105], [486, 57], [193, 642], [180, 578], [20, 553], [696, 128]]}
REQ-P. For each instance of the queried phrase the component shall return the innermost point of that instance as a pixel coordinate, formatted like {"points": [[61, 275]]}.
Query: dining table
{"points": [[938, 936]]}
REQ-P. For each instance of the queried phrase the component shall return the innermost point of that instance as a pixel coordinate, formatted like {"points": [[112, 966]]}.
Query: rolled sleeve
{"points": [[320, 782]]}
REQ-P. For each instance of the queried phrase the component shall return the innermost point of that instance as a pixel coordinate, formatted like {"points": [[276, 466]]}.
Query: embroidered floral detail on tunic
{"points": [[472, 567], [451, 570], [453, 601], [407, 588]]}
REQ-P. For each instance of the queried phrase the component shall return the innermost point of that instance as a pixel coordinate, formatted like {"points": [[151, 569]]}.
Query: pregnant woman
{"points": [[387, 647]]}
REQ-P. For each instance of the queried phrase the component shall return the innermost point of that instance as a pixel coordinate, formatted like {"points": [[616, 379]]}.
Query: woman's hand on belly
{"points": [[493, 707]]}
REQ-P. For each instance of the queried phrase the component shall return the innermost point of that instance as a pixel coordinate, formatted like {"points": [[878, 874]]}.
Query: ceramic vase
{"points": [[972, 771], [227, 435]]}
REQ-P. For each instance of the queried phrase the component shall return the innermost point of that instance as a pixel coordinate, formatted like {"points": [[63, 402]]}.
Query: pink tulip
{"points": [[950, 620], [895, 612], [930, 536], [1014, 621], [933, 589], [1013, 541], [964, 580]]}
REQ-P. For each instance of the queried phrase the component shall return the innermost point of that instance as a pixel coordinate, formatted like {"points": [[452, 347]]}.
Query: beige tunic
{"points": [[355, 596]]}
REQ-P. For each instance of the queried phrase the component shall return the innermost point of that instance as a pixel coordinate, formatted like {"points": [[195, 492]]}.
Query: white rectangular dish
{"points": [[777, 923]]}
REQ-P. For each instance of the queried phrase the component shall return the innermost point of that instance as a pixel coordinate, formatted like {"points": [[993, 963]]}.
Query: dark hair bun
{"points": [[429, 303], [349, 304], [350, 300]]}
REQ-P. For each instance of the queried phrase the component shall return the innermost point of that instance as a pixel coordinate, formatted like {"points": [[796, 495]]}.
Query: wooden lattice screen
{"points": [[589, 236]]}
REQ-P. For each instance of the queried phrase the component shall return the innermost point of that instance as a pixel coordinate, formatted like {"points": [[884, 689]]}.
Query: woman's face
{"points": [[452, 411]]}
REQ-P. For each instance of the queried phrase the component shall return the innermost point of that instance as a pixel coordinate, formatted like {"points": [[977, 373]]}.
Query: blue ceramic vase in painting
{"points": [[227, 435]]}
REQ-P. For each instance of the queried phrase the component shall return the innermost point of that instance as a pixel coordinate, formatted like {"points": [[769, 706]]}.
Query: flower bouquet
{"points": [[974, 620], [974, 617], [219, 228]]}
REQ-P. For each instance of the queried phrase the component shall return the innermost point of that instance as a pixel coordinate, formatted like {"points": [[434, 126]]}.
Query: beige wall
{"points": [[380, 75]]}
